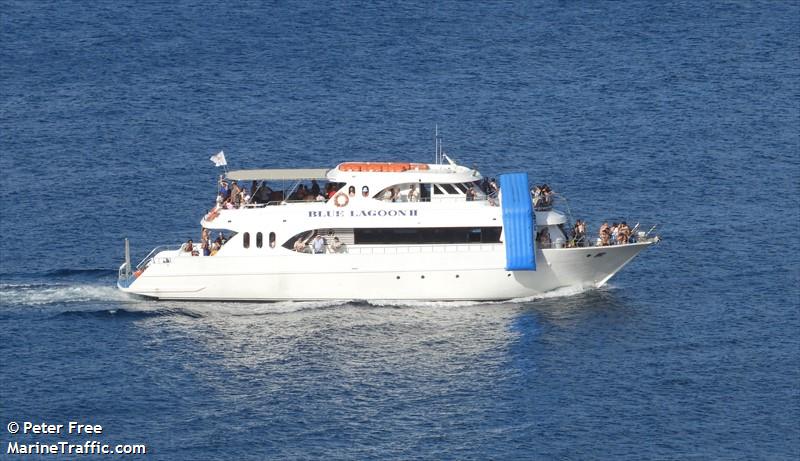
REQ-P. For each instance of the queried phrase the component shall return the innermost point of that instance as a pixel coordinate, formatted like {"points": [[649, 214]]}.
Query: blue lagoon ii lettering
{"points": [[360, 213]]}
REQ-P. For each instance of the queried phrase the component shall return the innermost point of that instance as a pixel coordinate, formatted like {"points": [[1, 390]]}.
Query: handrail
{"points": [[429, 248]]}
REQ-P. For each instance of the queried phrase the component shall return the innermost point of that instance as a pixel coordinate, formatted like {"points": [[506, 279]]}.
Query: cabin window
{"points": [[401, 236], [246, 240], [437, 190], [449, 189], [461, 188], [272, 239], [259, 240]]}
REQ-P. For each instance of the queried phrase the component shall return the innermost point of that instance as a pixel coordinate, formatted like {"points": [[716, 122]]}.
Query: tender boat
{"points": [[379, 231]]}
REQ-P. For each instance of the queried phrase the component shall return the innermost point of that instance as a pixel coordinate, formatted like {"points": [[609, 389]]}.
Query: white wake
{"points": [[42, 294]]}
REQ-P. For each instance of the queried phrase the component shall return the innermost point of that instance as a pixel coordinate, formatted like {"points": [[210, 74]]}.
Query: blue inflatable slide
{"points": [[518, 222]]}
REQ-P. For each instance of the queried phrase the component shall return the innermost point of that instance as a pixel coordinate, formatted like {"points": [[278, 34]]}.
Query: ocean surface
{"points": [[681, 114]]}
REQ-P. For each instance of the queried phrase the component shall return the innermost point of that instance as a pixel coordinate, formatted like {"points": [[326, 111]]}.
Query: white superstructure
{"points": [[390, 231]]}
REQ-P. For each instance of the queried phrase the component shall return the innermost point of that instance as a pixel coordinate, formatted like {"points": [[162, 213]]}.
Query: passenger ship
{"points": [[391, 231]]}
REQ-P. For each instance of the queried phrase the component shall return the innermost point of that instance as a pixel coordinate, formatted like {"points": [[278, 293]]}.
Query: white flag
{"points": [[219, 159]]}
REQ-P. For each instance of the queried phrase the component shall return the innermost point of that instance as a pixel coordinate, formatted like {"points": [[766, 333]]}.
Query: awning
{"points": [[278, 175]]}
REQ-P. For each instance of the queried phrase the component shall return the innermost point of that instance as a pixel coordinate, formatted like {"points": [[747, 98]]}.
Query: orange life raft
{"points": [[385, 167]]}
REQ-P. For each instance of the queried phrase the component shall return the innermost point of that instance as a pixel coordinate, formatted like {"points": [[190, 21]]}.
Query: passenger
{"points": [[536, 194], [605, 234], [547, 196], [262, 193], [337, 246], [579, 233], [224, 191], [299, 246], [214, 248], [471, 194], [493, 186], [236, 195], [318, 244], [614, 233], [315, 190], [624, 233], [485, 185], [544, 238], [188, 247], [413, 194], [206, 247], [253, 189]]}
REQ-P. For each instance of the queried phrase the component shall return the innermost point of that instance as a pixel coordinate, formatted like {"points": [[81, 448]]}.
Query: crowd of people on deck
{"points": [[542, 197], [234, 195], [614, 234], [317, 244], [208, 247]]}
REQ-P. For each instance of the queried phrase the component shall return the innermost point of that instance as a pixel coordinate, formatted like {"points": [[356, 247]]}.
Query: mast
{"points": [[127, 259], [437, 143]]}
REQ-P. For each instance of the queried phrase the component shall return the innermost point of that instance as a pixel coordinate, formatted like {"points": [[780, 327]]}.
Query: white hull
{"points": [[433, 272]]}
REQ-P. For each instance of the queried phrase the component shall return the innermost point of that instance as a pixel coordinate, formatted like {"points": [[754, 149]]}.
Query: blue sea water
{"points": [[685, 114]]}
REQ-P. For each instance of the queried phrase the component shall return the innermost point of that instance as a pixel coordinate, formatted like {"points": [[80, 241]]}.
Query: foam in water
{"points": [[557, 293], [41, 294]]}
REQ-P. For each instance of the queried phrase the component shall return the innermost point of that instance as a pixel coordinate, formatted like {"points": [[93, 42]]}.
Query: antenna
{"points": [[436, 144], [439, 157]]}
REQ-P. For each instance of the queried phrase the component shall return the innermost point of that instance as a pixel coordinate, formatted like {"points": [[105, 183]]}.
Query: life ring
{"points": [[341, 200]]}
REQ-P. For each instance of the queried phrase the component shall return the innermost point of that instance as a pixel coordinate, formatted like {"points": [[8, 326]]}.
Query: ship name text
{"points": [[360, 213]]}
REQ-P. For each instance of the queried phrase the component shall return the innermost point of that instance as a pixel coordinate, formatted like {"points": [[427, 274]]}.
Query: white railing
{"points": [[422, 249]]}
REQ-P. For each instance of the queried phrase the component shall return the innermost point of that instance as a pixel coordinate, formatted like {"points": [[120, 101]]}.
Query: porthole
{"points": [[508, 275], [457, 276], [422, 276], [246, 240], [398, 277], [272, 239], [259, 240]]}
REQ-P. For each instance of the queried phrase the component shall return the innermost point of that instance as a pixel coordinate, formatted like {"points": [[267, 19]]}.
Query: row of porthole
{"points": [[259, 240], [457, 276]]}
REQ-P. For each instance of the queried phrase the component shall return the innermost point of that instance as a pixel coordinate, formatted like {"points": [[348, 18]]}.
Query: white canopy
{"points": [[277, 175]]}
